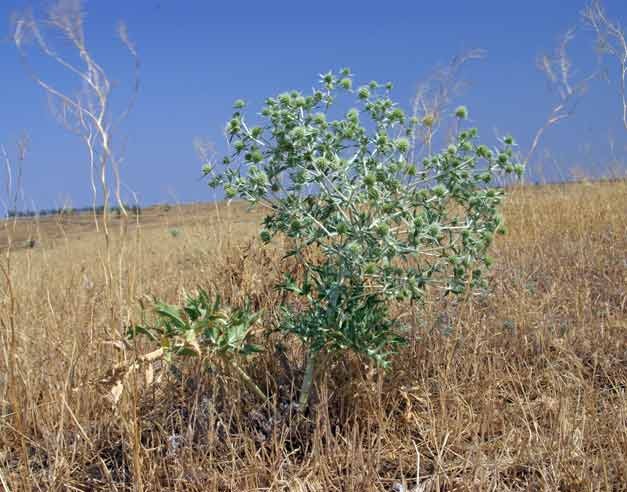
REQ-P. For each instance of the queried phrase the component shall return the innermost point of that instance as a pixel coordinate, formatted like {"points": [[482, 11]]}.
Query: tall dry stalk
{"points": [[87, 112], [433, 98], [612, 41], [558, 70]]}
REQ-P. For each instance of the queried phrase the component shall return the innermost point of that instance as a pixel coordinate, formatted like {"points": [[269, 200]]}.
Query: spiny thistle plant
{"points": [[202, 327], [335, 178]]}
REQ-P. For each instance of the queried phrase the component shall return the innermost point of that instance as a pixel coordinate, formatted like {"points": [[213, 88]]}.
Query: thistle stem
{"points": [[249, 382], [305, 388]]}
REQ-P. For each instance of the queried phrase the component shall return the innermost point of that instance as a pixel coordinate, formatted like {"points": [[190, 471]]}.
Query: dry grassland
{"points": [[521, 388]]}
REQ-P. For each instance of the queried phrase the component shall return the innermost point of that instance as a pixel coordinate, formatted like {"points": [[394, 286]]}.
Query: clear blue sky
{"points": [[198, 56]]}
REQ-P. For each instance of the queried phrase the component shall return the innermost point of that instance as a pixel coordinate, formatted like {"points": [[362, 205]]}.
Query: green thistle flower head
{"points": [[434, 230], [363, 92], [239, 104], [329, 80], [255, 156], [397, 115], [265, 235], [298, 133], [484, 151], [383, 229], [295, 225], [230, 191], [346, 83], [353, 115], [238, 145], [439, 191], [462, 112], [410, 170], [234, 126], [354, 248], [341, 228], [320, 119]]}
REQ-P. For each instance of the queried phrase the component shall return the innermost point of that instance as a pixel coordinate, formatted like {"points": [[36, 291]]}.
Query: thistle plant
{"points": [[366, 224], [202, 327]]}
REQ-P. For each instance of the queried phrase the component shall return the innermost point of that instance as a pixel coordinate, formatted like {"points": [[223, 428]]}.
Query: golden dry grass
{"points": [[523, 388]]}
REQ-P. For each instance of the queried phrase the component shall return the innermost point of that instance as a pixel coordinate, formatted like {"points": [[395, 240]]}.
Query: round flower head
{"points": [[329, 80], [383, 229], [353, 114], [354, 248], [434, 230], [265, 236], [239, 104], [410, 170], [230, 191], [439, 190], [341, 228], [398, 115], [255, 156], [462, 112], [234, 126], [363, 92], [238, 145], [320, 119]]}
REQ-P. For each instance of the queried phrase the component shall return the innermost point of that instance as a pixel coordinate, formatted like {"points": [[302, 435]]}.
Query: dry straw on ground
{"points": [[522, 388]]}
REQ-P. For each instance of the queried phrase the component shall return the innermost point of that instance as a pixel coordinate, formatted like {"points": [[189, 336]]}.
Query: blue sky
{"points": [[199, 56]]}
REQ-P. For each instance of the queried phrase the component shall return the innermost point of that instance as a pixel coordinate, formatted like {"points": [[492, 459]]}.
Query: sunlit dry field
{"points": [[520, 388]]}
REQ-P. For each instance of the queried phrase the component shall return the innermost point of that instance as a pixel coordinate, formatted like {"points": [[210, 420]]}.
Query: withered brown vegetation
{"points": [[520, 388]]}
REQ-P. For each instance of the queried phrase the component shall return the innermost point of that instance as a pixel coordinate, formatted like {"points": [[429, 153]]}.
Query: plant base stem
{"points": [[305, 388], [249, 382]]}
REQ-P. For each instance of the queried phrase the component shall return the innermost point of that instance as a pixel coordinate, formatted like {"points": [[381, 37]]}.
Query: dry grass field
{"points": [[520, 388]]}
